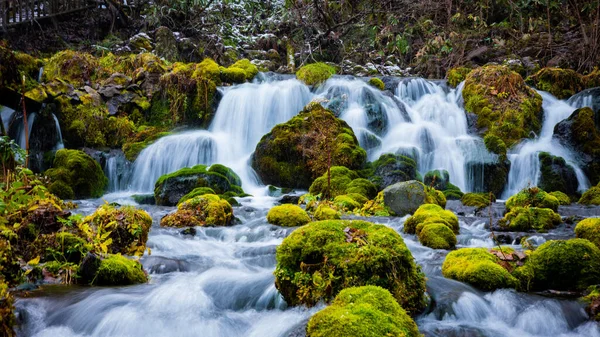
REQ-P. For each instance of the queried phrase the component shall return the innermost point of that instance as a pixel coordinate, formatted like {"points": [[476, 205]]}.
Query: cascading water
{"points": [[6, 113], [59, 139], [22, 137], [525, 163], [245, 114]]}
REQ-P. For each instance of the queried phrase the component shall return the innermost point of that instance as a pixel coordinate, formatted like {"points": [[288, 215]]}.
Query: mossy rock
{"points": [[79, 171], [406, 197], [315, 73], [376, 207], [250, 70], [530, 218], [204, 210], [556, 174], [561, 265], [320, 259], [505, 106], [495, 144], [437, 236], [589, 229], [479, 200], [292, 154], [7, 316], [342, 181], [452, 192], [346, 203], [116, 270], [533, 197], [479, 268], [287, 216], [562, 198], [390, 168], [78, 68], [171, 188], [196, 192], [591, 196], [208, 68], [457, 75], [592, 301], [367, 311], [126, 226], [377, 83], [233, 75], [431, 213], [324, 212], [562, 83]]}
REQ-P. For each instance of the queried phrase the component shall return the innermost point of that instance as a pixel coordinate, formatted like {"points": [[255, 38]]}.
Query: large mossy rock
{"points": [[361, 312], [389, 169], [523, 219], [74, 174], [589, 229], [581, 134], [556, 175], [287, 216], [505, 106], [75, 67], [111, 270], [437, 236], [561, 265], [406, 197], [532, 197], [342, 181], [127, 227], [562, 83], [479, 200], [438, 179], [295, 153], [431, 213], [315, 73], [591, 196], [170, 188], [203, 210], [320, 259], [479, 268]]}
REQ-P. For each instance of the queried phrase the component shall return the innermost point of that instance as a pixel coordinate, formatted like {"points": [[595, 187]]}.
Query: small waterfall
{"points": [[245, 114], [6, 114], [117, 169], [525, 164], [411, 90], [21, 137], [59, 139]]}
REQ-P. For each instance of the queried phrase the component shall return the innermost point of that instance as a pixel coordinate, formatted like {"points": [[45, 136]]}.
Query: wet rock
{"points": [[392, 168], [289, 199], [89, 268], [406, 197], [556, 175], [164, 265]]}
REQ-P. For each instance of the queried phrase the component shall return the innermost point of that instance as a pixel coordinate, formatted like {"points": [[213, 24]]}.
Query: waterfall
{"points": [[525, 164], [245, 114], [117, 169], [59, 139], [21, 137], [6, 113]]}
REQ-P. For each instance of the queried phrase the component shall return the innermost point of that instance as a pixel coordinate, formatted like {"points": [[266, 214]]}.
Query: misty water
{"points": [[219, 282]]}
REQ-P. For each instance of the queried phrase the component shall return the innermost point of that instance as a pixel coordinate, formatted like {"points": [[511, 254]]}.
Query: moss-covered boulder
{"points": [[589, 229], [342, 181], [325, 212], [581, 133], [390, 168], [496, 145], [170, 188], [248, 69], [115, 270], [75, 174], [431, 213], [437, 236], [361, 312], [204, 210], [295, 153], [196, 192], [479, 268], [505, 106], [530, 218], [556, 174], [561, 265], [377, 83], [479, 200], [127, 228], [346, 203], [287, 216], [591, 196], [452, 192], [406, 197], [457, 75], [562, 198], [315, 73], [562, 83], [75, 67], [7, 315], [532, 197], [320, 259]]}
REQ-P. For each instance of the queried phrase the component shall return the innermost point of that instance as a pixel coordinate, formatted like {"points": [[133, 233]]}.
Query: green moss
{"points": [[376, 207], [530, 218], [142, 140], [495, 145], [250, 70], [233, 75], [340, 178], [477, 267], [315, 73], [562, 198], [377, 83], [119, 270], [437, 236], [591, 196], [196, 192], [438, 179], [589, 229], [127, 227], [431, 213], [61, 189], [363, 187], [592, 79], [367, 311], [228, 173], [324, 212], [391, 168], [479, 200], [204, 210], [561, 265], [7, 316], [76, 169], [457, 75], [562, 83], [453, 192], [67, 247], [320, 259], [209, 69], [506, 107], [76, 67], [346, 203], [592, 299], [287, 216], [533, 197]]}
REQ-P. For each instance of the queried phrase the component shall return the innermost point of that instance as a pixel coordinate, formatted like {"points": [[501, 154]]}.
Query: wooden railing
{"points": [[13, 12]]}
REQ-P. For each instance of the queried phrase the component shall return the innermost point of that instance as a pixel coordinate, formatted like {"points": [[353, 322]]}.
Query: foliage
{"points": [[204, 210], [11, 154]]}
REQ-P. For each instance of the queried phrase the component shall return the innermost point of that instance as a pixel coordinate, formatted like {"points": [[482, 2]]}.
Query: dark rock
{"points": [[438, 179], [289, 199], [89, 268], [166, 44], [405, 197], [164, 265], [557, 175], [392, 168], [144, 199]]}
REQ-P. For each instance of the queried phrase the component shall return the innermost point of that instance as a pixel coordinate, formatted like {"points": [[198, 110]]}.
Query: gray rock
{"points": [[405, 197]]}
